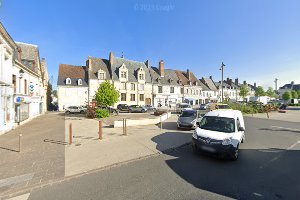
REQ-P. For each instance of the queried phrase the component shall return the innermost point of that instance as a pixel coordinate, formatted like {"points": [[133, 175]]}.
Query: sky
{"points": [[258, 40]]}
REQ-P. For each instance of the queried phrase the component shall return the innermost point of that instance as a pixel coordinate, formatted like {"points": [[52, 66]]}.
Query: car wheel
{"points": [[68, 112], [129, 111], [235, 154], [81, 111], [143, 111]]}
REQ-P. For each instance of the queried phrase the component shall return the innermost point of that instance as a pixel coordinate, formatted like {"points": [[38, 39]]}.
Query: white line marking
{"points": [[285, 128], [16, 179], [21, 197]]}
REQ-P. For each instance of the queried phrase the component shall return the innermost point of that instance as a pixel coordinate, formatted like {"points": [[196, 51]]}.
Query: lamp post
{"points": [[21, 73], [222, 68]]}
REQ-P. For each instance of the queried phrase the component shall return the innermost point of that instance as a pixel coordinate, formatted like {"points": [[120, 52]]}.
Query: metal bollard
{"points": [[100, 130], [20, 142], [70, 134]]}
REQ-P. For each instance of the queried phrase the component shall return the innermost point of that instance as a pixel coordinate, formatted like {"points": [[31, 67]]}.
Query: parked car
{"points": [[188, 119], [203, 107], [137, 108], [215, 106], [183, 106], [111, 109], [150, 108], [75, 109], [123, 107], [220, 132]]}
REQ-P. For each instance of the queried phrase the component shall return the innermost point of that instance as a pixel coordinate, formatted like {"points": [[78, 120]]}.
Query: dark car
{"points": [[110, 109], [137, 108], [123, 107]]}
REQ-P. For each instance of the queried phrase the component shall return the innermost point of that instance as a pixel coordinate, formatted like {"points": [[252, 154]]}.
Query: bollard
{"points": [[20, 142], [125, 126], [70, 134], [100, 130]]}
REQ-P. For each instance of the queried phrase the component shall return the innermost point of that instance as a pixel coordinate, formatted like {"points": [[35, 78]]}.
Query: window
{"points": [[160, 89], [25, 86], [101, 76], [142, 86], [171, 89], [196, 92], [132, 97], [141, 76], [123, 86], [132, 86], [79, 82], [123, 74], [68, 81], [141, 97], [14, 82], [181, 90], [123, 96]]}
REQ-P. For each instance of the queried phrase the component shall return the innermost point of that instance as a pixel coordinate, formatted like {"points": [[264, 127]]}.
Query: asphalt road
{"points": [[268, 168]]}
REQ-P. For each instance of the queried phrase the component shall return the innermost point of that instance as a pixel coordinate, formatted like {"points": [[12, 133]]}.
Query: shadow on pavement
{"points": [[293, 108], [257, 174], [56, 142], [8, 149], [284, 130]]}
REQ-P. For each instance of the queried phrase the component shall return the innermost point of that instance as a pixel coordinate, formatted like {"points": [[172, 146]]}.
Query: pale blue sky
{"points": [[258, 40]]}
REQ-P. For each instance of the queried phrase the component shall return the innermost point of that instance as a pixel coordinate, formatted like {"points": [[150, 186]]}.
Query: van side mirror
{"points": [[198, 123], [241, 129]]}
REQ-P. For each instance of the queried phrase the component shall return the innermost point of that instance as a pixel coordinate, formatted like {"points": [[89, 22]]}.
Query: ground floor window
{"points": [[141, 97], [132, 97], [123, 96]]}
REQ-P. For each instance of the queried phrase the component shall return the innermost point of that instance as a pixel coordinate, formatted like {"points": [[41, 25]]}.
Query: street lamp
{"points": [[21, 73], [222, 68]]}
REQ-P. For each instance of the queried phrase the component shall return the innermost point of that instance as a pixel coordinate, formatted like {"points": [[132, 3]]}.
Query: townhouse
{"points": [[288, 87], [211, 94], [23, 81]]}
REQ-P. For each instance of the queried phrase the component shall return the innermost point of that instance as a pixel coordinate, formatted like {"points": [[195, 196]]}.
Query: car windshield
{"points": [[185, 106], [188, 114], [220, 124]]}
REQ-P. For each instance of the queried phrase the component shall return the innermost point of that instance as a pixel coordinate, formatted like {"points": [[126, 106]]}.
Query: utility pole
{"points": [[276, 80], [222, 68]]}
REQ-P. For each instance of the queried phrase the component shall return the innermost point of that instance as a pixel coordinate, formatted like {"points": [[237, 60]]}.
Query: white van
{"points": [[220, 132], [183, 106]]}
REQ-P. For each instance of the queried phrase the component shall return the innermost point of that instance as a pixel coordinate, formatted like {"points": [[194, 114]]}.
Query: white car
{"points": [[220, 132]]}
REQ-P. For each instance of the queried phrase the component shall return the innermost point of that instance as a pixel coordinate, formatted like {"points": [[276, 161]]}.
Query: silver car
{"points": [[188, 119], [75, 109]]}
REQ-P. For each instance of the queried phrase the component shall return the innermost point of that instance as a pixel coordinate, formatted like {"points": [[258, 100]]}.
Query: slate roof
{"points": [[210, 84], [30, 54], [96, 65], [184, 78], [204, 87], [170, 77], [74, 73], [291, 86], [132, 66], [218, 84]]}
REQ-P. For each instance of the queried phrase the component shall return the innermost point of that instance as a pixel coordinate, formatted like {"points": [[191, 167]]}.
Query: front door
{"points": [[148, 101]]}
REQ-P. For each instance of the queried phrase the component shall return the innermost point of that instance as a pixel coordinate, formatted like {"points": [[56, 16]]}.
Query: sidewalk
{"points": [[291, 115], [41, 158], [87, 152]]}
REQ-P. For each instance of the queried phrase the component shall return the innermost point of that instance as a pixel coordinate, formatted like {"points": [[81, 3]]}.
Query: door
{"points": [[148, 101]]}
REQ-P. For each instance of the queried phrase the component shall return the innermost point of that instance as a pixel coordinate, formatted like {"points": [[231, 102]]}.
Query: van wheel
{"points": [[235, 154]]}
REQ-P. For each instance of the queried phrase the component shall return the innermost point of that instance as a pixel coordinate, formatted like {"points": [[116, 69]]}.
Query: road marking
{"points": [[280, 154], [16, 179], [21, 197], [290, 129]]}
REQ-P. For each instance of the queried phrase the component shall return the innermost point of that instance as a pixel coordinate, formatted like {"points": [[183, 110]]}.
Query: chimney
{"points": [[111, 58], [188, 74], [236, 81], [147, 63], [228, 80], [161, 68], [210, 77], [19, 53], [255, 85], [245, 83]]}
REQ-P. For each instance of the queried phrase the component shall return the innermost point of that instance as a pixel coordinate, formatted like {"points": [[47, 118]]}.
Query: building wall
{"points": [[71, 96], [165, 98]]}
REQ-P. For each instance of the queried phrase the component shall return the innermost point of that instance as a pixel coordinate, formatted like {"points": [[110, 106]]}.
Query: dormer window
{"points": [[101, 75], [196, 83], [141, 74], [123, 73], [179, 81], [170, 80], [79, 82], [68, 81]]}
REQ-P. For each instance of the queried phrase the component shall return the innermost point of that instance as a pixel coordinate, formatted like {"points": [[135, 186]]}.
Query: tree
{"points": [[54, 92], [244, 91], [294, 94], [49, 98], [298, 92], [270, 92], [259, 91], [107, 95], [287, 96]]}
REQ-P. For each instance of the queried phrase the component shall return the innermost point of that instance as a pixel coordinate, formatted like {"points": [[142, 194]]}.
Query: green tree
{"points": [[259, 91], [298, 92], [244, 91], [54, 92], [270, 92], [294, 94], [107, 95], [287, 96]]}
